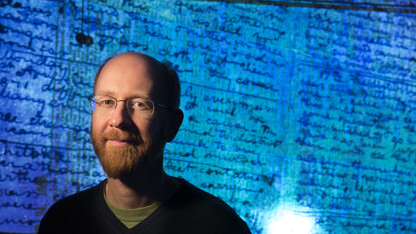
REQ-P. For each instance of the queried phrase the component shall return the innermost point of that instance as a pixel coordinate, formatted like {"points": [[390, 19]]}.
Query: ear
{"points": [[175, 121]]}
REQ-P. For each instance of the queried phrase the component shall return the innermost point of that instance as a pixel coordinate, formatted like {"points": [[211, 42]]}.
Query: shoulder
{"points": [[190, 194], [70, 209], [76, 201], [203, 209]]}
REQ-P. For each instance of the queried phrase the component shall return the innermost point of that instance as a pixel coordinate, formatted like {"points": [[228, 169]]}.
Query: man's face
{"points": [[123, 143]]}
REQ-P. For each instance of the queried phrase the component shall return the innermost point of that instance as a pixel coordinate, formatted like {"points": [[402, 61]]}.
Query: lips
{"points": [[117, 142], [122, 140]]}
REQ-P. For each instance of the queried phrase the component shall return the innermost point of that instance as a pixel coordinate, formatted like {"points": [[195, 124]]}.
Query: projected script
{"points": [[288, 110]]}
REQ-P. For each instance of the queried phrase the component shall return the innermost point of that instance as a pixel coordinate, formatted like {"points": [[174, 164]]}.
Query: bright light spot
{"points": [[289, 222]]}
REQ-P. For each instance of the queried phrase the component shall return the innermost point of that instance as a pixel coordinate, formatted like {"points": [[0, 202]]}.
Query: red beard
{"points": [[123, 161]]}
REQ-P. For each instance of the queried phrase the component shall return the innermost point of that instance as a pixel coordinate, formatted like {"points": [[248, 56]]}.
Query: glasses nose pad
{"points": [[125, 109]]}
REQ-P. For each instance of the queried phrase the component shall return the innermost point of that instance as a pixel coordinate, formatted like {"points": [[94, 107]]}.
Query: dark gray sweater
{"points": [[189, 210]]}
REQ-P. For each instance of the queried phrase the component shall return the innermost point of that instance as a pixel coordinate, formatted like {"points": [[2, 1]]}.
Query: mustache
{"points": [[122, 136]]}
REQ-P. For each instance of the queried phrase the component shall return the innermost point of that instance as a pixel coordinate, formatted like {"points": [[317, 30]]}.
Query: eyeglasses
{"points": [[137, 107]]}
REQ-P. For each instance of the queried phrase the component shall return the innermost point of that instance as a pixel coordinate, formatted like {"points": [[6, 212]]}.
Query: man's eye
{"points": [[107, 102], [139, 105]]}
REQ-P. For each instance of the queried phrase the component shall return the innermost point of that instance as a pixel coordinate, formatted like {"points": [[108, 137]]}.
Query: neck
{"points": [[143, 189]]}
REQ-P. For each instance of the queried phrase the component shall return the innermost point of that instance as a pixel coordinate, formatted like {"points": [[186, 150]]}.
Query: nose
{"points": [[120, 115]]}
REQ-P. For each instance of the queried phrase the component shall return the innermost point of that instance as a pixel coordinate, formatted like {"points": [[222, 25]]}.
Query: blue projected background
{"points": [[301, 116]]}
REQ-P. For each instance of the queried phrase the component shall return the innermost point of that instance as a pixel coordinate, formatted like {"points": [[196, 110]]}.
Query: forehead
{"points": [[130, 75]]}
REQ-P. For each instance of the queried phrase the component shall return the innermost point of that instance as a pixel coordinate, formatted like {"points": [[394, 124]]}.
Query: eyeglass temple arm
{"points": [[163, 106]]}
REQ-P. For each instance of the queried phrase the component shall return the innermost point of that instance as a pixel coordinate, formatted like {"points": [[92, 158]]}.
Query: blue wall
{"points": [[297, 115]]}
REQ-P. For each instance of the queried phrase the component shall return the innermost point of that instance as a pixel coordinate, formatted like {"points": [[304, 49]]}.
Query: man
{"points": [[134, 113]]}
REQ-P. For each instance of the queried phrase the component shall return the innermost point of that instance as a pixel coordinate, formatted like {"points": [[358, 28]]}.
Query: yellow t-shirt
{"points": [[132, 217]]}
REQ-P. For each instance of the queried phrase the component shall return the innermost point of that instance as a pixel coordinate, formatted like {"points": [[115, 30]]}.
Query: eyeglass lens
{"points": [[137, 107]]}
